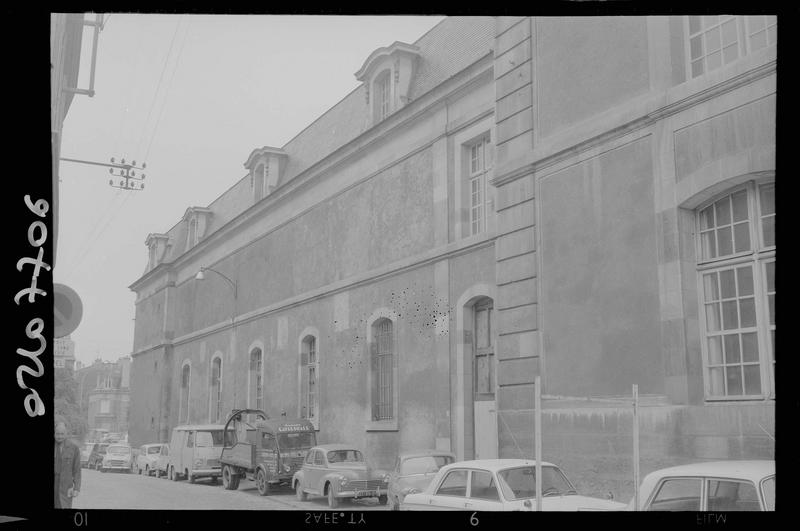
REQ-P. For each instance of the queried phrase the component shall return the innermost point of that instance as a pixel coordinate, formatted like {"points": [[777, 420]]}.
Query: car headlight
{"points": [[386, 478], [343, 482], [286, 468], [198, 462]]}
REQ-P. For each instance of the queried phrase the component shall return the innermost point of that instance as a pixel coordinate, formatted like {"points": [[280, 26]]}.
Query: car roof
{"points": [[754, 470], [494, 464], [148, 445], [424, 453], [330, 447]]}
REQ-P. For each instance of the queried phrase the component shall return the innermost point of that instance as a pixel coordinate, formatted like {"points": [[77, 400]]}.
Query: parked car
{"points": [[86, 451], [711, 486], [195, 451], [146, 457], [96, 456], [339, 471], [413, 471], [502, 485], [118, 457], [268, 451], [162, 462]]}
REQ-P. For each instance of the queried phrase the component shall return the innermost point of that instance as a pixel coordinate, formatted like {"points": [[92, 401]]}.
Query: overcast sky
{"points": [[192, 96]]}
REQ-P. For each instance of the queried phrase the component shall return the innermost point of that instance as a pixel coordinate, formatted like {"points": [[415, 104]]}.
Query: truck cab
{"points": [[267, 451]]}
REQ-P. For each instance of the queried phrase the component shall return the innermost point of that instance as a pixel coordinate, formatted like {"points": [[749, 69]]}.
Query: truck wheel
{"points": [[261, 482], [301, 495], [333, 501], [191, 478], [230, 481], [383, 499], [172, 474]]}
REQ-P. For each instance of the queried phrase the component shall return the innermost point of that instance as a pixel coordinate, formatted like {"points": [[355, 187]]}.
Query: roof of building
{"points": [[445, 50]]}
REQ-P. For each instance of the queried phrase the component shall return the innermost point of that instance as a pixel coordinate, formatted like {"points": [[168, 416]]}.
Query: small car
{"points": [[339, 471], [501, 485], [86, 451], [711, 486], [413, 471], [96, 456], [146, 458], [117, 457], [161, 465]]}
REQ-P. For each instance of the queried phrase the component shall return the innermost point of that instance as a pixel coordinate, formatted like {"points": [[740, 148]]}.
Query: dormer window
{"points": [[387, 74], [197, 220], [157, 245], [266, 165]]}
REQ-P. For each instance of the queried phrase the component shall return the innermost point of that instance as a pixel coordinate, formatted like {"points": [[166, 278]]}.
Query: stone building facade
{"points": [[496, 201]]}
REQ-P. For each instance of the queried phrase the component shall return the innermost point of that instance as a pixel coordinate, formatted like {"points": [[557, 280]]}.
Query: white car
{"points": [[501, 485], [146, 459], [712, 486], [118, 457]]}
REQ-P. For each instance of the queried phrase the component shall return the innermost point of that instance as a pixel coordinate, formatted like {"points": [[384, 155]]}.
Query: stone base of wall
{"points": [[593, 442]]}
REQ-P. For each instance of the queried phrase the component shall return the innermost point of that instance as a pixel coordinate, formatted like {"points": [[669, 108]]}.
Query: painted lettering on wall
{"points": [[33, 403]]}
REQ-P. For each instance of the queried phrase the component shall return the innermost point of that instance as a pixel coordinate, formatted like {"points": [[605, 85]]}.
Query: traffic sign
{"points": [[67, 310]]}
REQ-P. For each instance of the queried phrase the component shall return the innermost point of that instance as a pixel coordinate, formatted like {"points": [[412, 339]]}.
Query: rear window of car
{"points": [[208, 438], [424, 464], [117, 449], [154, 450]]}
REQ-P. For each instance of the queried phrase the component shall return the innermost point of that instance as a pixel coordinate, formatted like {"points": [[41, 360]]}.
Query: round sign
{"points": [[67, 310]]}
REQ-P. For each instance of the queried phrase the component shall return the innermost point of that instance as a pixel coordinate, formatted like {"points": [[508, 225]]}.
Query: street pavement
{"points": [[117, 490]]}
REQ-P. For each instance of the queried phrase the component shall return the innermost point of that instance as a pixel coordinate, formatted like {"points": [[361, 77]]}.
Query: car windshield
{"points": [[520, 482], [424, 464], [345, 456], [296, 441], [208, 438], [768, 490], [119, 449], [88, 447], [154, 450], [102, 449]]}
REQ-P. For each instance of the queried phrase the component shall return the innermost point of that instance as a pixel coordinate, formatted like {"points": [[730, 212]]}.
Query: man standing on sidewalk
{"points": [[67, 458]]}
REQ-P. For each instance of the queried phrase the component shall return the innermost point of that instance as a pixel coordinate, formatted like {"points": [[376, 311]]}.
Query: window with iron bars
{"points": [[382, 371]]}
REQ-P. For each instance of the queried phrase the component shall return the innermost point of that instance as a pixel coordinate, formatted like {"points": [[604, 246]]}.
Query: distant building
{"points": [[104, 389], [64, 353]]}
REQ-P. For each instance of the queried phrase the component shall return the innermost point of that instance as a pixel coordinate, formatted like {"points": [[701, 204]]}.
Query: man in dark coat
{"points": [[67, 457]]}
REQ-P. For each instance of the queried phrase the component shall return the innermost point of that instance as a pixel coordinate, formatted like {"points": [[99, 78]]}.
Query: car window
{"points": [[207, 439], [345, 456], [482, 486], [296, 441], [190, 440], [454, 484], [520, 482], [319, 459], [118, 449], [268, 441], [424, 464], [165, 450], [153, 450], [679, 494], [768, 491], [732, 495], [310, 457]]}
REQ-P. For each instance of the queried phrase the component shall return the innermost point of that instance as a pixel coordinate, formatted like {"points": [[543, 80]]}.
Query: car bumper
{"points": [[117, 466], [371, 493]]}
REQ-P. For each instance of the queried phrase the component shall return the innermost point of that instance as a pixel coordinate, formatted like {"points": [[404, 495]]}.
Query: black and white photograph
{"points": [[338, 264]]}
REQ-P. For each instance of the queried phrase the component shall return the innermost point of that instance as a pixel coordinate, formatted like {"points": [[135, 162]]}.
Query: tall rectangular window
{"points": [[256, 387], [382, 91], [480, 156], [736, 265], [310, 376], [383, 371]]}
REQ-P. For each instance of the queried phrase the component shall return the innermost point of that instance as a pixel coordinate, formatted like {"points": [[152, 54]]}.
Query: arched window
{"points": [[186, 380], [215, 390], [309, 398], [382, 367], [256, 389], [736, 269]]}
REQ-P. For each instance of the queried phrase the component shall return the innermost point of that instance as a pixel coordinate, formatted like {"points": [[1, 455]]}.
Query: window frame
{"points": [[215, 402], [306, 369], [479, 175], [662, 481], [383, 385], [743, 36], [382, 94], [756, 258]]}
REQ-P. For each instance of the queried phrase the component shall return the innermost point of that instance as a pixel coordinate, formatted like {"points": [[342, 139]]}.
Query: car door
{"points": [[318, 471], [308, 464], [451, 493], [677, 494], [726, 494], [483, 494]]}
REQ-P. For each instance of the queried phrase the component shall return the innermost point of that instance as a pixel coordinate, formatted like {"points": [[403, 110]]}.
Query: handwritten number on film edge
{"points": [[33, 403]]}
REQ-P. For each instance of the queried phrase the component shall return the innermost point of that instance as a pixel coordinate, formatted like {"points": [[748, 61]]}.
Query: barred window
{"points": [[736, 267], [382, 370], [215, 394], [186, 377]]}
